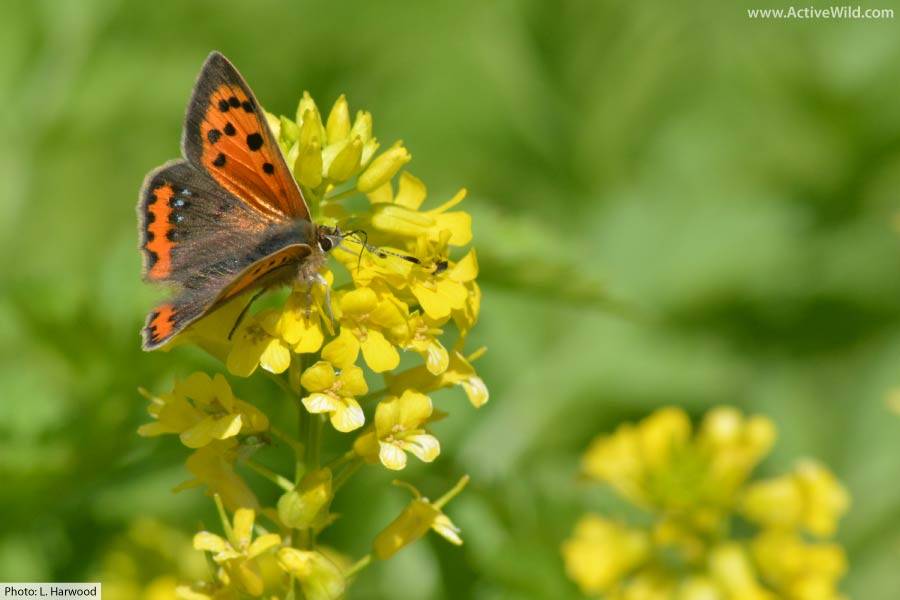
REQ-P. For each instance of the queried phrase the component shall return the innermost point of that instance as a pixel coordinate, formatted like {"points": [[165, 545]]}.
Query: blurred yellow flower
{"points": [[200, 410], [237, 552], [399, 429], [799, 570], [659, 463], [810, 498], [213, 467], [601, 552], [416, 520], [333, 393], [693, 484]]}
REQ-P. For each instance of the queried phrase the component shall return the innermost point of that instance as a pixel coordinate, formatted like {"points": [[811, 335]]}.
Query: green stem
{"points": [[314, 442], [303, 429], [223, 516], [358, 566], [344, 475], [341, 460], [341, 195], [456, 489], [376, 395], [288, 439], [282, 482]]}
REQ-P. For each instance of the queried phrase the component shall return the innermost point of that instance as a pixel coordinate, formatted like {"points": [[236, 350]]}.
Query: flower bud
{"points": [[341, 160], [319, 577], [383, 168], [307, 504], [338, 126]]}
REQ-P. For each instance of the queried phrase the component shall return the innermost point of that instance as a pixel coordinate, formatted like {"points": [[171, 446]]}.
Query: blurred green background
{"points": [[673, 205]]}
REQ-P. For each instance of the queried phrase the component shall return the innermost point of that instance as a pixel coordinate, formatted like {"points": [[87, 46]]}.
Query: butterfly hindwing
{"points": [[226, 134], [186, 219], [171, 317]]}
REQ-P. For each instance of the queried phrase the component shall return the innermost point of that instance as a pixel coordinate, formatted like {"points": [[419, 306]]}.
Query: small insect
{"points": [[228, 217]]}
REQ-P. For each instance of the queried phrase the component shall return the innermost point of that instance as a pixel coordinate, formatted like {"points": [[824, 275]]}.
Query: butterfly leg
{"points": [[319, 279], [243, 312]]}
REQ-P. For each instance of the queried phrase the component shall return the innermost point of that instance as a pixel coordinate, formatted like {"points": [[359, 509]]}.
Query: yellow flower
{"points": [[238, 552], [601, 553], [320, 578], [416, 520], [400, 215], [441, 292], [365, 316], [459, 372], [799, 570], [399, 429], [334, 393], [423, 339], [213, 466], [201, 410], [258, 342], [300, 323], [810, 497]]}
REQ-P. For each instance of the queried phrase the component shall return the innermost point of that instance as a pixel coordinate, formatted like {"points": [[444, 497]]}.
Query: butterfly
{"points": [[228, 217]]}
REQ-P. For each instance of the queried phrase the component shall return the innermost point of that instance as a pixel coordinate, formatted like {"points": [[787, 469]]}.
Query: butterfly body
{"points": [[228, 217]]}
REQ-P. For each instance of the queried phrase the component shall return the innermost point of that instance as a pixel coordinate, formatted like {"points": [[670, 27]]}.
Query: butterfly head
{"points": [[329, 237]]}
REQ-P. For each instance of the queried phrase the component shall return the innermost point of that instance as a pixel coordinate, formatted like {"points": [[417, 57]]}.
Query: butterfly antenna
{"points": [[362, 238]]}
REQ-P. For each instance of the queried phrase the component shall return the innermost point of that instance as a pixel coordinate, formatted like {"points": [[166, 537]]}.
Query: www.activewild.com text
{"points": [[828, 12]]}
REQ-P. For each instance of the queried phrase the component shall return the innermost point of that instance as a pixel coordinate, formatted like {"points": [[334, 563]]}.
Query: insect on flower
{"points": [[229, 217]]}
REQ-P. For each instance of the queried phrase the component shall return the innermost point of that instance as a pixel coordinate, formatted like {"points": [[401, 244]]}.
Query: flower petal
{"points": [[348, 415], [276, 358], [424, 446], [199, 435], [391, 456], [415, 408], [318, 403], [263, 543], [243, 526], [342, 350], [353, 382], [318, 377], [379, 353], [209, 542]]}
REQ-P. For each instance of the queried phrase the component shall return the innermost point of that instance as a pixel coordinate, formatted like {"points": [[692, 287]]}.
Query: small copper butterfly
{"points": [[229, 216]]}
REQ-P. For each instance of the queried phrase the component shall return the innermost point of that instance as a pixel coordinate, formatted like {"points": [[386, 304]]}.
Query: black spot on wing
{"points": [[247, 105], [223, 105], [229, 129], [268, 168], [219, 161], [213, 135], [234, 102], [254, 141]]}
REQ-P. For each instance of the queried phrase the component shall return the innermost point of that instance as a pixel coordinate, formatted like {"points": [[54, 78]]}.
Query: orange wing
{"points": [[226, 135]]}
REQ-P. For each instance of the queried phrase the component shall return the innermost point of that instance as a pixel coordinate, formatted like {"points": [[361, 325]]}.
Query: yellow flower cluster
{"points": [[406, 285], [695, 485]]}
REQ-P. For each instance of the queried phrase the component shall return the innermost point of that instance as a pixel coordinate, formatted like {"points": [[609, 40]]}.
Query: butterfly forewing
{"points": [[226, 134]]}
